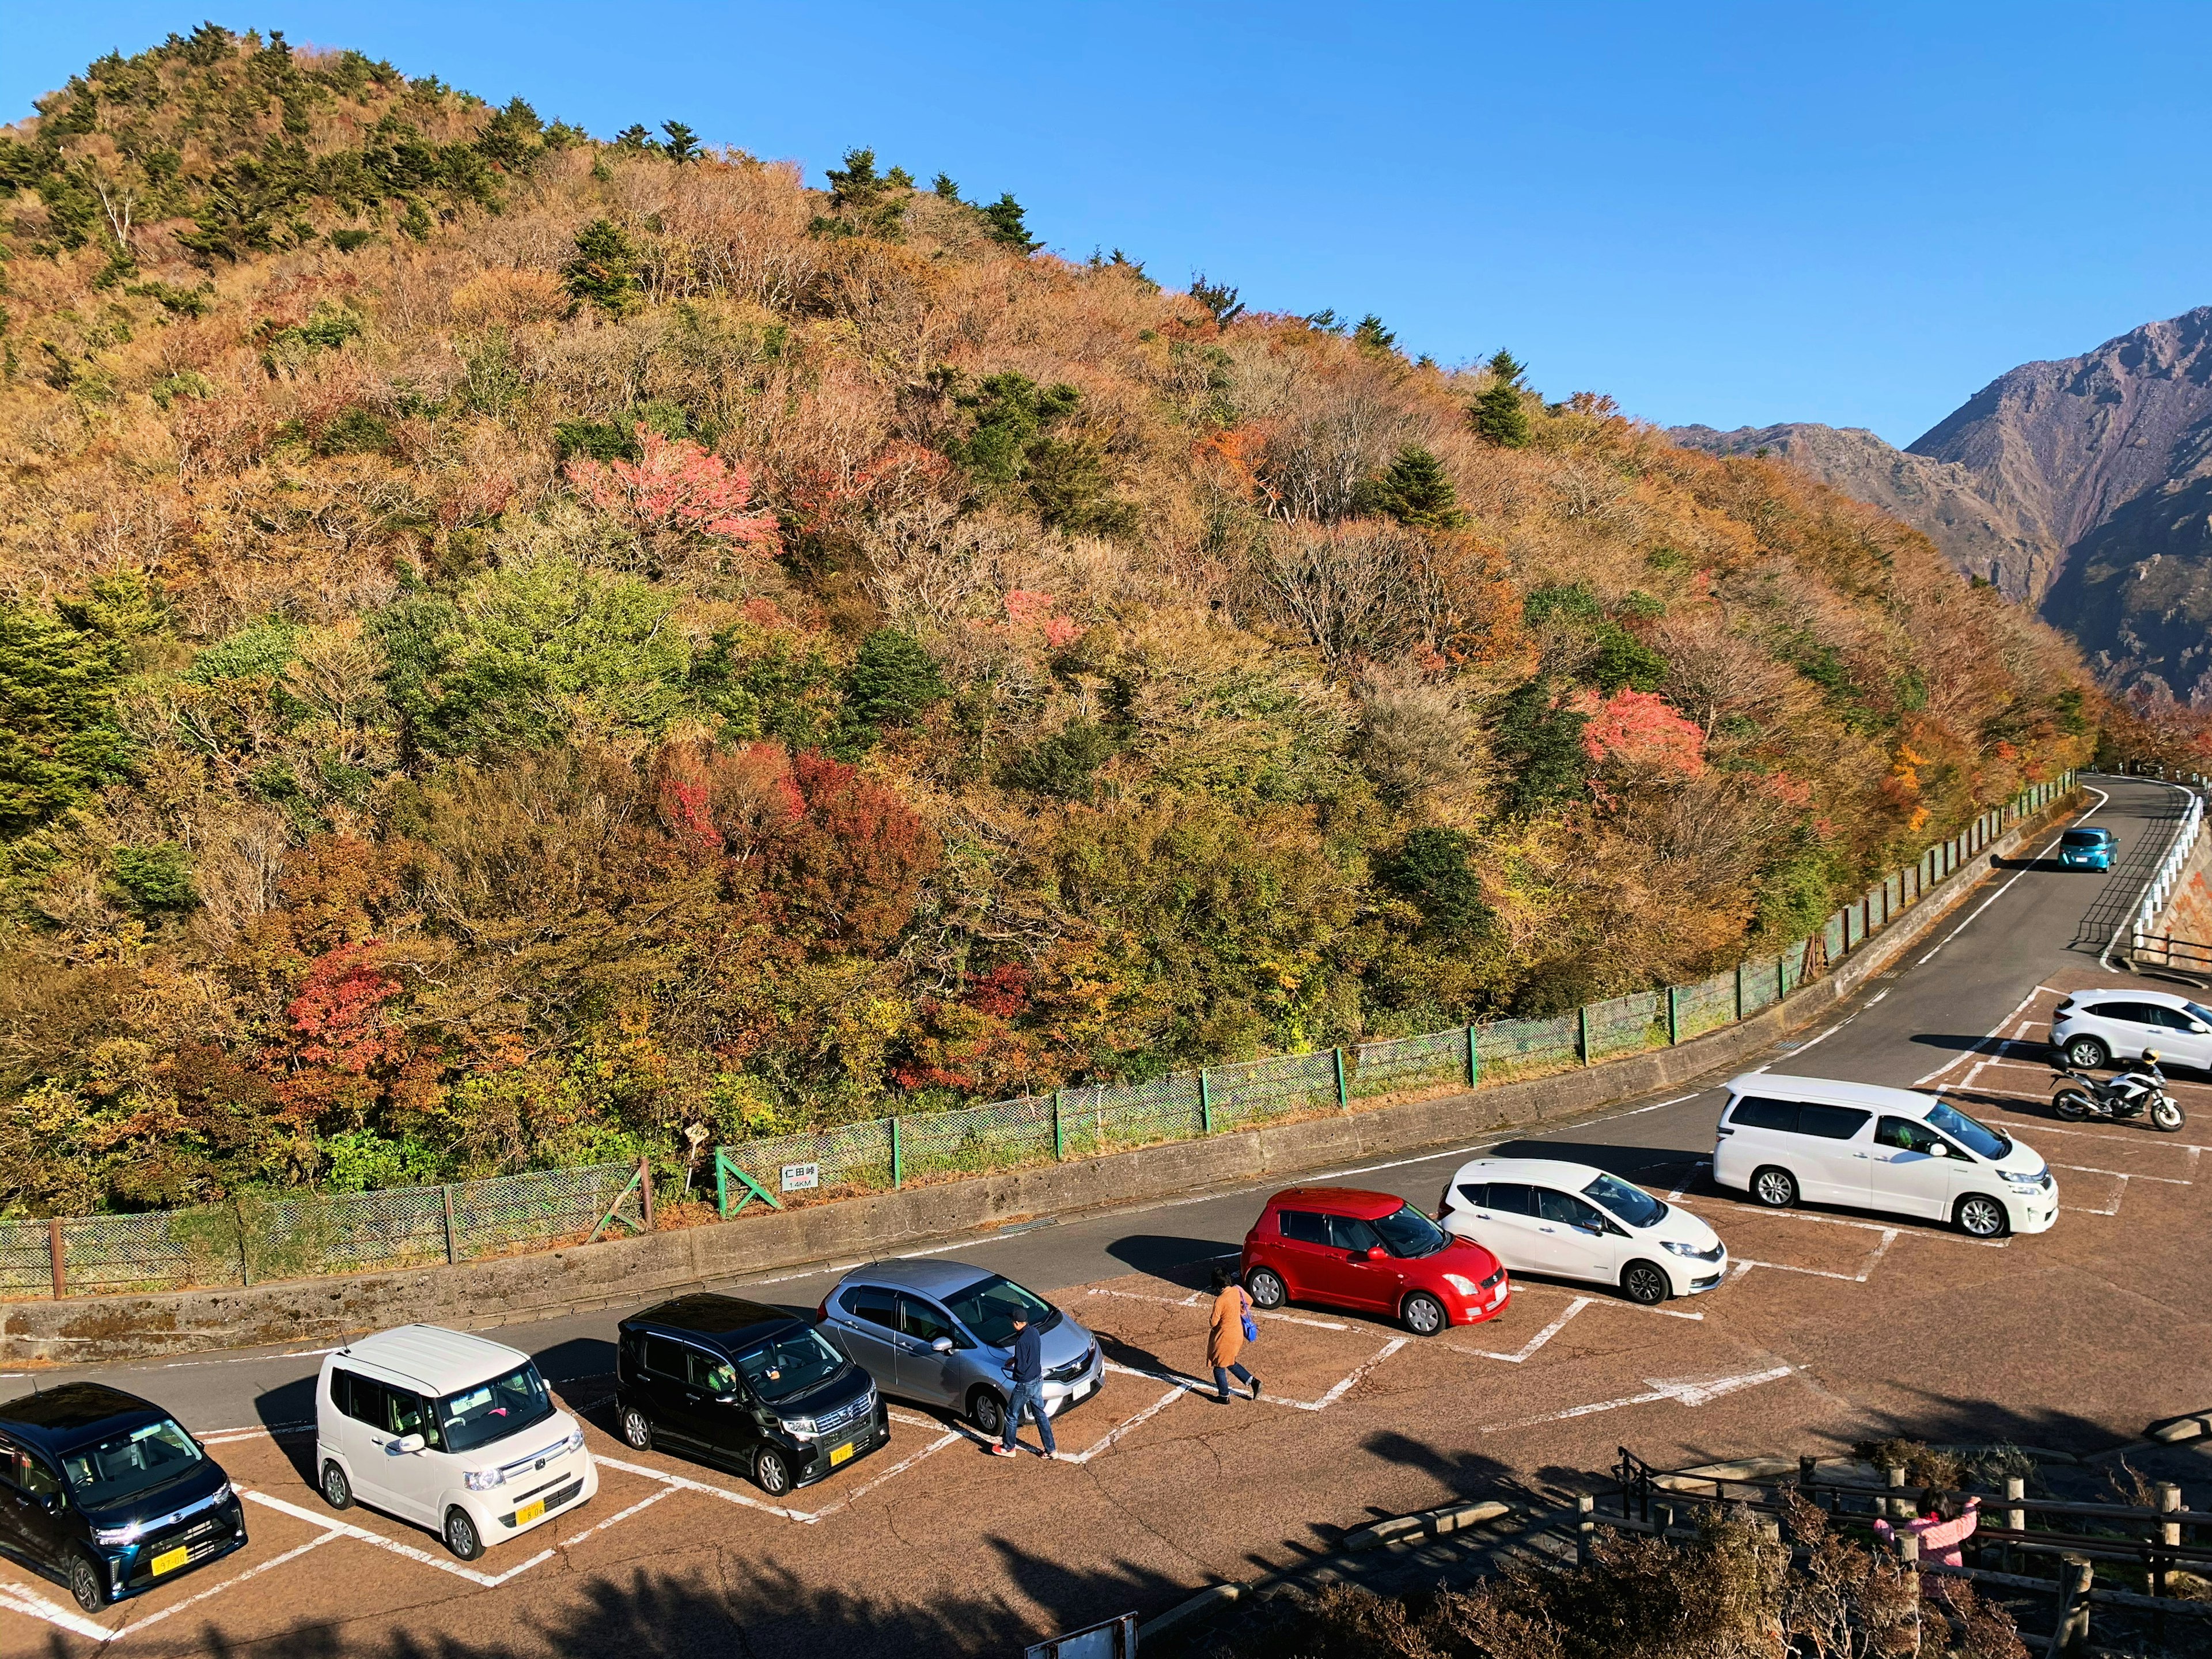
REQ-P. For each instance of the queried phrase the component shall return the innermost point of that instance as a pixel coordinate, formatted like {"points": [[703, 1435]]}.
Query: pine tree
{"points": [[1540, 745], [1498, 416], [1431, 870], [857, 183], [683, 143], [1415, 490], [1372, 336], [603, 273], [893, 679], [944, 188], [1506, 367], [1005, 217], [1219, 299], [58, 738]]}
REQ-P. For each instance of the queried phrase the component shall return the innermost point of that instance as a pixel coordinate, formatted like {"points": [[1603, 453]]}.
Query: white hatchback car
{"points": [[455, 1433], [1575, 1221], [2095, 1027], [1787, 1139]]}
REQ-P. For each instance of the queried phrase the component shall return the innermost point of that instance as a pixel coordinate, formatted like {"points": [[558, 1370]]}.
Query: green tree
{"points": [[1006, 219], [1624, 663], [1539, 743], [1498, 417], [1414, 489], [1505, 368], [1062, 764], [1219, 299], [944, 188], [893, 679], [1431, 869], [58, 738], [683, 143], [1371, 336], [604, 272]]}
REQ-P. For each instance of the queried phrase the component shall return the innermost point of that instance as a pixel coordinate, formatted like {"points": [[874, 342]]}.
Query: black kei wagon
{"points": [[750, 1387], [107, 1493]]}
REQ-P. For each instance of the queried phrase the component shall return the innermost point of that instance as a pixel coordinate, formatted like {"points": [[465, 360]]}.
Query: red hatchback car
{"points": [[1348, 1249]]}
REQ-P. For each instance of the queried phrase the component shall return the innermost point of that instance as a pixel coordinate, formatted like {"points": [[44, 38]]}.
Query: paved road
{"points": [[1860, 1326]]}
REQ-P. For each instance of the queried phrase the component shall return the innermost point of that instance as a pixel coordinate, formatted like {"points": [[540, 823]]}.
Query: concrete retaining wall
{"points": [[623, 1271]]}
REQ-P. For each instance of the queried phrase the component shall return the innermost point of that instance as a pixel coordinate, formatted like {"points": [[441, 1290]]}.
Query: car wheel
{"points": [[1266, 1288], [85, 1584], [461, 1534], [988, 1412], [337, 1490], [1775, 1188], [771, 1472], [1979, 1216], [2089, 1053], [2167, 1114], [1644, 1284], [637, 1433], [1424, 1315]]}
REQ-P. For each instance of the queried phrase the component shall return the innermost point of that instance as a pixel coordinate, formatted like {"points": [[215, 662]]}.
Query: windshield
{"points": [[789, 1365], [1632, 1204], [2204, 1014], [132, 1463], [988, 1307], [1977, 1137], [492, 1411], [1408, 1233]]}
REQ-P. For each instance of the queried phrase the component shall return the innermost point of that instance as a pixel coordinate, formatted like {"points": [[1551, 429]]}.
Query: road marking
{"points": [[1685, 1393], [684, 1483], [619, 1516], [1702, 1164], [1192, 1385], [488, 1580], [896, 1469], [2001, 891], [1744, 1264], [1347, 1386], [1534, 1342], [1994, 1033], [23, 1599], [1123, 1427], [225, 1437], [292, 1554], [1198, 1298]]}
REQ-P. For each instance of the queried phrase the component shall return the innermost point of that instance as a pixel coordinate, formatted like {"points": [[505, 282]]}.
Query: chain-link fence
{"points": [[301, 1236]]}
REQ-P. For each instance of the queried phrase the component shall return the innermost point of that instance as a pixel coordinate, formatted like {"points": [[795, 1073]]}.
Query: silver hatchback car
{"points": [[942, 1334]]}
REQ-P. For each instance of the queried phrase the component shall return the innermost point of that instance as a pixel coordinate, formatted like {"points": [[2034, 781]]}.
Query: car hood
{"points": [[1678, 1226], [1064, 1343], [1463, 1255], [2022, 1159], [201, 1480]]}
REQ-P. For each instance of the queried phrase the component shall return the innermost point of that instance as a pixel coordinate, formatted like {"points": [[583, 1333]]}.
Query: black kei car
{"points": [[108, 1493], [752, 1388]]}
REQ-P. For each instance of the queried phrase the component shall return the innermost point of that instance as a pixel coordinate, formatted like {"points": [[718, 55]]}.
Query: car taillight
{"points": [[822, 1313]]}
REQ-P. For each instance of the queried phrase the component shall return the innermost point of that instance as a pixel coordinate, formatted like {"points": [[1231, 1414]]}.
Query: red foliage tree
{"points": [[676, 486], [1642, 731]]}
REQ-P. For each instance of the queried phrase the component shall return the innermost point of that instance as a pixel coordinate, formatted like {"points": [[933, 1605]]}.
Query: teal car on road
{"points": [[2086, 849]]}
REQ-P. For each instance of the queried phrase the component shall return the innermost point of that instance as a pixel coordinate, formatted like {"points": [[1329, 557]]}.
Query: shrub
{"points": [[1539, 743], [1430, 868], [156, 877], [58, 736], [893, 679], [603, 270]]}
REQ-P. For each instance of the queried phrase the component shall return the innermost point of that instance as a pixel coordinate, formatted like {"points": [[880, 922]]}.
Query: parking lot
{"points": [[1831, 1326]]}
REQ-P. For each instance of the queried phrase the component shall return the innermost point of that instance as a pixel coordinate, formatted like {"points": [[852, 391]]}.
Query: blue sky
{"points": [[1725, 213]]}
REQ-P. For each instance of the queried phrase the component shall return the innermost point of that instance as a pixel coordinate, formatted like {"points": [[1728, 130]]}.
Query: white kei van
{"points": [[1787, 1139], [450, 1431]]}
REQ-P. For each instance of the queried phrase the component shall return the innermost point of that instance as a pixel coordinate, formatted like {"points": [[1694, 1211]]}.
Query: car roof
{"points": [[1535, 1171], [727, 1322], [931, 1275], [435, 1358], [75, 1412], [1339, 1200], [1832, 1091], [2105, 994]]}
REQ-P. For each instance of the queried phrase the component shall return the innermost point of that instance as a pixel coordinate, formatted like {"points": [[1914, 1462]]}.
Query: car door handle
{"points": [[1861, 1157]]}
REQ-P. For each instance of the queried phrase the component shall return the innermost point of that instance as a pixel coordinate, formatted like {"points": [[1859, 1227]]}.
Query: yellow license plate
{"points": [[841, 1454], [170, 1561], [529, 1512]]}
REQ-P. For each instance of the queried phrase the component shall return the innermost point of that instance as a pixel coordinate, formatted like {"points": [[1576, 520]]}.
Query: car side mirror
{"points": [[409, 1442], [1939, 1150], [1367, 1254], [942, 1345]]}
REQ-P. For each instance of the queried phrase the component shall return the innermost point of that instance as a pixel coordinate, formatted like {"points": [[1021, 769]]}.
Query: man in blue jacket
{"points": [[1026, 1371]]}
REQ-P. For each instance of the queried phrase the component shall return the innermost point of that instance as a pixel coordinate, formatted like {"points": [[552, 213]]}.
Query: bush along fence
{"points": [[256, 1238]]}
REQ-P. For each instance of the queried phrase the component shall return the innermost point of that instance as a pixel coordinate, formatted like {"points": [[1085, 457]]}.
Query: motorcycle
{"points": [[2138, 1093]]}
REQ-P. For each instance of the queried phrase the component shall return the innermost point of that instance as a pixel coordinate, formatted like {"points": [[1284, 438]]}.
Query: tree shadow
{"points": [[1629, 1162], [1462, 1474]]}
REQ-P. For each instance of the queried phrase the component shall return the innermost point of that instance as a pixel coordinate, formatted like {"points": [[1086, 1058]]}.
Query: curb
{"points": [[1424, 1524]]}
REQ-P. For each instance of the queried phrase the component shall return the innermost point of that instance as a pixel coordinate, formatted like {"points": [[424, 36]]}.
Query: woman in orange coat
{"points": [[1225, 1340]]}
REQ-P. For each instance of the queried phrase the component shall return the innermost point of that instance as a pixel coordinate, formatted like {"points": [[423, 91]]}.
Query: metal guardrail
{"points": [[2168, 876]]}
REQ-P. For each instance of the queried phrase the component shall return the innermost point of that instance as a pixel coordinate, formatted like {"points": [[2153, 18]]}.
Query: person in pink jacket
{"points": [[1940, 1539]]}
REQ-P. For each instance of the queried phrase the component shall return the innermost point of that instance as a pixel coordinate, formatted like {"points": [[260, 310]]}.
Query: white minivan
{"points": [[1785, 1139], [450, 1431]]}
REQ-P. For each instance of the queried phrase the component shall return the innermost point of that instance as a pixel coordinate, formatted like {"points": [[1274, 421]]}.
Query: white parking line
{"points": [[1744, 1264], [1994, 1032], [1688, 1393], [488, 1580], [1192, 1385], [619, 1516], [1128, 1424], [254, 1572], [1534, 1342], [23, 1599]]}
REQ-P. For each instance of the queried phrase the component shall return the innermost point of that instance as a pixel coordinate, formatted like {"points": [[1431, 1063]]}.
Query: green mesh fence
{"points": [[1255, 1091], [1003, 1136], [1525, 1047], [1705, 1006], [1627, 1025], [1136, 1115], [1401, 1063], [25, 1264], [855, 1157], [1762, 984]]}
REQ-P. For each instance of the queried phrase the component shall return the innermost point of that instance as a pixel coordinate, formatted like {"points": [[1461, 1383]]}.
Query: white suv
{"points": [[450, 1431], [1542, 1216], [2095, 1027]]}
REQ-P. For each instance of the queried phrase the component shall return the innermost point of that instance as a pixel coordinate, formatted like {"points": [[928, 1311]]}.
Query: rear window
{"points": [[1757, 1112], [1301, 1226], [1512, 1198], [2082, 838]]}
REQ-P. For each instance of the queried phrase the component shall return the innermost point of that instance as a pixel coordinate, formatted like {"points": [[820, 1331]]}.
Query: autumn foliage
{"points": [[513, 647]]}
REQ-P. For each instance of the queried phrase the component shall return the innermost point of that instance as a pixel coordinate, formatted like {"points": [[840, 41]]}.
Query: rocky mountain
{"points": [[2081, 486], [1980, 534]]}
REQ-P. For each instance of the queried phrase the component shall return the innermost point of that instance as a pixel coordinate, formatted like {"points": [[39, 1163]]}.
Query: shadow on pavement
{"points": [[1464, 1474], [1187, 1262], [764, 1612], [1629, 1162]]}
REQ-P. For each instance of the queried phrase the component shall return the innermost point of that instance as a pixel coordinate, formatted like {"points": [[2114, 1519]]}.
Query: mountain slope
{"points": [[1981, 535]]}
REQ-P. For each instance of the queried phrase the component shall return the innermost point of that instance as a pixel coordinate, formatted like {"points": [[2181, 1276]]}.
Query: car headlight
{"points": [[1462, 1284], [574, 1443], [484, 1480], [800, 1424], [116, 1535], [2020, 1178]]}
